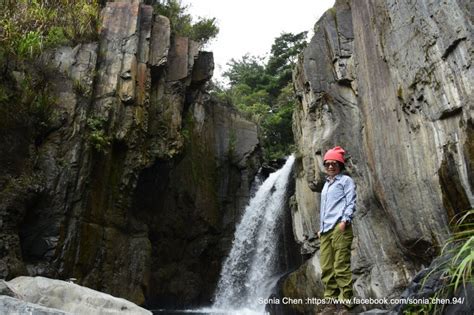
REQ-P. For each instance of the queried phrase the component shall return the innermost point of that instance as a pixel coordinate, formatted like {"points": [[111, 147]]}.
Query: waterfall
{"points": [[248, 273]]}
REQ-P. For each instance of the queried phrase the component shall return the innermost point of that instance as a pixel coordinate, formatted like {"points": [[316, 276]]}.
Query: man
{"points": [[338, 199]]}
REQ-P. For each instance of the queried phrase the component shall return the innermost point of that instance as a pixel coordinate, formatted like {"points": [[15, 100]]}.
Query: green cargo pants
{"points": [[335, 261]]}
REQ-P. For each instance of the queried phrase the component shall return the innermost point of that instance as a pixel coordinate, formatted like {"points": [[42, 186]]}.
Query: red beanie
{"points": [[336, 154]]}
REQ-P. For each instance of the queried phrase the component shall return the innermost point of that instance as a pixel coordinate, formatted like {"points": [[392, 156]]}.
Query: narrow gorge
{"points": [[139, 180]]}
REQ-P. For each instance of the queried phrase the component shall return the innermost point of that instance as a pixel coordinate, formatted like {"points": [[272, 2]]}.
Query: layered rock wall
{"points": [[135, 189], [391, 82]]}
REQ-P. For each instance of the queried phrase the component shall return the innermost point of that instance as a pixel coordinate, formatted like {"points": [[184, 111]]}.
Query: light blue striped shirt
{"points": [[338, 200]]}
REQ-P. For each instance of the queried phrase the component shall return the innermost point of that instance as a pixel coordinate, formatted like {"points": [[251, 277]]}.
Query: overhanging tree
{"points": [[182, 24]]}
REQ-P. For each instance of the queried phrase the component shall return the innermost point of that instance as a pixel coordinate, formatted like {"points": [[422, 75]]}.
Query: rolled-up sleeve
{"points": [[350, 196]]}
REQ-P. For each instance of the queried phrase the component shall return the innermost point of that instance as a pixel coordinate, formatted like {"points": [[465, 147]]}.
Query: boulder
{"points": [[9, 305], [70, 297], [6, 289]]}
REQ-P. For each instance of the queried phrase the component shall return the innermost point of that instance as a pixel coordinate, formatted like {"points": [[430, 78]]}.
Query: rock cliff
{"points": [[135, 186], [391, 82]]}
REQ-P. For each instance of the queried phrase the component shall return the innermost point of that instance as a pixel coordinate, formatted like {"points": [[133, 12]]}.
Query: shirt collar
{"points": [[338, 176]]}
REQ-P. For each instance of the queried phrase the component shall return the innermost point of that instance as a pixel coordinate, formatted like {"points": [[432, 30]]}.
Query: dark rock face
{"points": [[391, 82], [136, 190], [183, 200], [432, 280]]}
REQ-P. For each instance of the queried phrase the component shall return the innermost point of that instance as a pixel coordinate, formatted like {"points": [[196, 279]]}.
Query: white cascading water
{"points": [[248, 273]]}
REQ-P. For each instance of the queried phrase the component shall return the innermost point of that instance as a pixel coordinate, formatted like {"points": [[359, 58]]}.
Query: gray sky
{"points": [[250, 26]]}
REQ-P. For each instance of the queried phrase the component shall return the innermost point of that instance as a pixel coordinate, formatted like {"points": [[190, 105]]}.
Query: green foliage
{"points": [[81, 88], [29, 45], [456, 271], [250, 71], [232, 143], [182, 22], [278, 126], [283, 56], [244, 96], [4, 95], [42, 110], [263, 92], [177, 14], [98, 137], [400, 93], [55, 37], [460, 270], [29, 26], [284, 52], [256, 112], [28, 105], [204, 30]]}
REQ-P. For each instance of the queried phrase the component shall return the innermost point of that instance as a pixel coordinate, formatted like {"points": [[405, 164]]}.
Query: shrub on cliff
{"points": [[182, 24], [27, 27]]}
